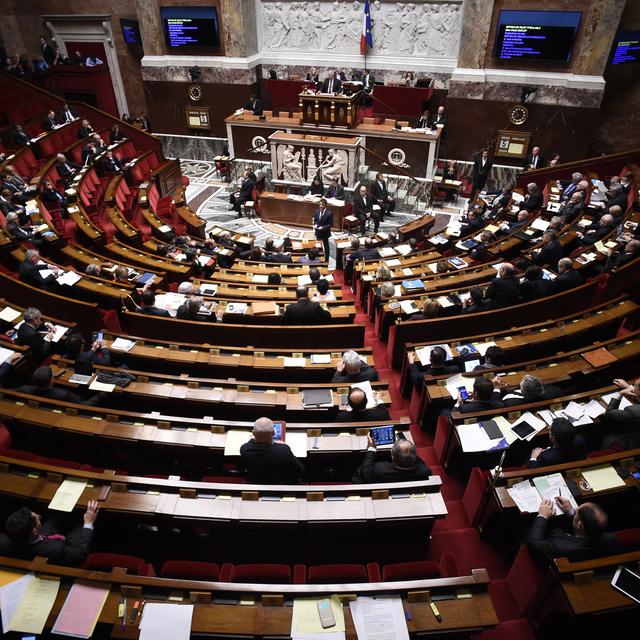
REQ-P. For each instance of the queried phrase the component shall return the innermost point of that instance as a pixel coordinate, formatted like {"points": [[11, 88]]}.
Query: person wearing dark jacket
{"points": [[47, 51], [481, 170], [21, 232], [351, 369], [32, 333], [32, 538], [475, 302], [269, 462], [533, 160], [566, 446], [405, 466], [472, 224], [437, 366], [335, 190], [568, 277], [550, 251], [483, 398], [622, 426], [533, 200], [29, 271], [149, 308], [20, 137], [243, 194], [322, 223], [531, 389], [597, 232], [381, 197], [304, 311], [316, 188], [42, 387], [254, 105], [581, 535], [66, 170], [363, 209], [49, 121], [534, 285], [357, 400], [84, 361], [504, 290]]}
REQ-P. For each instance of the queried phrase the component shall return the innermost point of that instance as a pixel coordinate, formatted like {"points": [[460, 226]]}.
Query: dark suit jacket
{"points": [[52, 197], [598, 234], [567, 280], [545, 544], [379, 193], [113, 165], [31, 337], [532, 289], [503, 292], [270, 463], [84, 132], [560, 456], [281, 258], [439, 119], [481, 173], [20, 138], [71, 551], [570, 210], [58, 393], [622, 426], [63, 117], [48, 123], [423, 123], [417, 372], [550, 391], [63, 172], [183, 314], [48, 54], [30, 274], [360, 208], [337, 85], [8, 206], [154, 311], [246, 189], [370, 85], [366, 373], [528, 159], [371, 471], [479, 405], [17, 232], [472, 227], [620, 200], [255, 106], [336, 192], [378, 413], [532, 201], [305, 312], [323, 221], [550, 254]]}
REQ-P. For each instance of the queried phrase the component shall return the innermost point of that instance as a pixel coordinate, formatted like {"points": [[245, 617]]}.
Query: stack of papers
{"points": [[8, 314], [603, 478], [294, 362], [59, 332], [5, 354], [305, 621], [236, 307], [527, 426], [234, 440], [474, 438], [121, 344], [26, 604], [320, 358], [69, 278], [162, 621], [528, 497], [68, 494], [81, 610], [379, 618], [409, 307]]}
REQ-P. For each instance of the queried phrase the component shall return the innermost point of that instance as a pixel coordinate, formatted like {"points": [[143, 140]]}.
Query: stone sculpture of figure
{"points": [[333, 166], [393, 33], [334, 26], [377, 26], [434, 43], [314, 27], [449, 24], [407, 39], [275, 27], [291, 165], [298, 21], [354, 27]]}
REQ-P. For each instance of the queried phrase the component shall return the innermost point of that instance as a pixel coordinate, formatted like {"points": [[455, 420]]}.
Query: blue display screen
{"points": [[626, 48], [383, 435], [190, 27], [536, 35]]}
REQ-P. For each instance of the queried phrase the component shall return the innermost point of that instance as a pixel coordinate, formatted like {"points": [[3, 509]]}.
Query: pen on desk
{"points": [[407, 614], [123, 606], [134, 611], [436, 613]]}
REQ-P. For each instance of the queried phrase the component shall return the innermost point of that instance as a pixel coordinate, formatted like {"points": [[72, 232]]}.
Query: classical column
{"points": [[239, 25], [476, 23], [150, 27]]}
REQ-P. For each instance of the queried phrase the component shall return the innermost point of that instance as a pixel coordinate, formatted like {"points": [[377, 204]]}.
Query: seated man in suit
{"points": [[504, 290], [597, 232], [572, 207], [439, 117], [304, 311], [618, 258], [381, 197], [352, 369], [20, 137], [622, 426], [566, 446], [89, 153], [335, 190], [244, 193], [66, 170], [67, 113], [269, 462], [510, 227], [85, 129], [32, 538], [617, 213], [533, 160], [473, 223], [483, 398], [49, 121], [22, 232], [493, 357], [534, 285], [8, 205], [568, 188], [405, 466], [331, 83], [149, 308], [255, 105], [29, 271], [32, 333], [357, 400], [568, 277], [476, 301], [363, 210], [531, 389], [112, 164], [616, 196], [279, 256], [437, 366], [189, 309], [550, 251], [53, 199], [581, 536], [42, 387], [533, 200]]}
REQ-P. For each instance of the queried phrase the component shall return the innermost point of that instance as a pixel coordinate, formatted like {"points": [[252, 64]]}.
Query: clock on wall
{"points": [[195, 92], [518, 114]]}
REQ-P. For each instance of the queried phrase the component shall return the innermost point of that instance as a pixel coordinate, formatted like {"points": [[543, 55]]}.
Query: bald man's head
{"points": [[358, 400], [403, 454], [590, 520], [263, 430]]}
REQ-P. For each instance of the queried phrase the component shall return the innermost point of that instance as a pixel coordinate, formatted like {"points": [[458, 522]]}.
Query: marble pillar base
{"points": [[191, 147]]}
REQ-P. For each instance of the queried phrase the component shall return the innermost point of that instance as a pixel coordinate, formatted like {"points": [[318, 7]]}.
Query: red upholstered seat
{"points": [[472, 498], [263, 573], [225, 479], [421, 569], [629, 539], [443, 429], [340, 573], [511, 630], [107, 561], [190, 570], [5, 436]]}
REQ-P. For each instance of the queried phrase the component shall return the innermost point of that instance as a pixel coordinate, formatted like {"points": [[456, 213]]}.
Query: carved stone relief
{"points": [[427, 29]]}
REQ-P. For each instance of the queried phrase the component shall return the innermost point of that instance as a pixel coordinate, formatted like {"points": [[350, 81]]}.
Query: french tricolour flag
{"points": [[366, 40]]}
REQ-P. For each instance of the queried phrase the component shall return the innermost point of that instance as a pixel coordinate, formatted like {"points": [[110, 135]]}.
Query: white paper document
{"points": [[294, 362], [10, 597], [59, 332], [68, 494], [297, 441], [474, 438], [162, 621], [9, 314], [122, 344], [305, 621], [366, 387], [234, 440], [5, 354], [551, 486], [69, 278], [456, 381], [379, 618], [320, 358], [526, 496], [96, 385]]}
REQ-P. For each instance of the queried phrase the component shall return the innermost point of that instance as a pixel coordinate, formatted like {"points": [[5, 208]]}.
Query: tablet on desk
{"points": [[627, 582], [522, 429], [383, 435], [279, 429]]}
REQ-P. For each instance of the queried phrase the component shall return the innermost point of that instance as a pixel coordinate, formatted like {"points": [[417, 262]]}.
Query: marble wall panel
{"points": [[192, 147]]}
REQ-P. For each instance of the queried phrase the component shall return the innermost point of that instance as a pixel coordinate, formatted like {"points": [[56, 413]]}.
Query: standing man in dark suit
{"points": [[405, 466], [368, 82], [255, 104], [304, 311], [47, 51], [322, 223], [331, 83], [533, 160], [269, 462], [481, 170], [581, 537], [49, 121], [363, 209], [33, 538], [381, 197], [335, 190]]}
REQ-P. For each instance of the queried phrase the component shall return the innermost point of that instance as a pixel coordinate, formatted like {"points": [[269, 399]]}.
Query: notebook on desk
{"points": [[317, 398], [599, 358]]}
